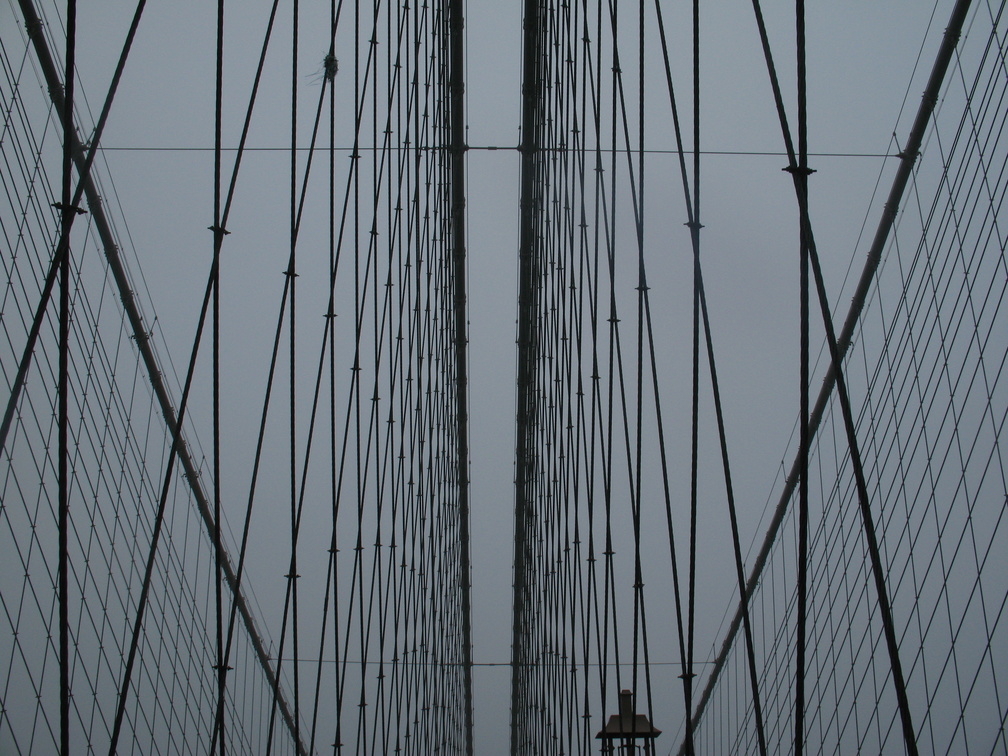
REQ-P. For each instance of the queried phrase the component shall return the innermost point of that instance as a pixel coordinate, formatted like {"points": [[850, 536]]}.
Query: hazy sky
{"points": [[862, 58]]}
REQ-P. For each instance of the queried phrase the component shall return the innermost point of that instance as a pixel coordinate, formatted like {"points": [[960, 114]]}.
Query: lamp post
{"points": [[626, 727]]}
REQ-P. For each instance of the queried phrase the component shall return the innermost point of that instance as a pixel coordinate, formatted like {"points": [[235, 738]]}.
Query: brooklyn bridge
{"points": [[559, 377]]}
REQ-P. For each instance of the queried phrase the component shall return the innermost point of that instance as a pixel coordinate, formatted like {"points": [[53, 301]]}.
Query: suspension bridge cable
{"points": [[67, 213], [218, 231], [105, 233], [93, 147], [886, 223], [801, 173]]}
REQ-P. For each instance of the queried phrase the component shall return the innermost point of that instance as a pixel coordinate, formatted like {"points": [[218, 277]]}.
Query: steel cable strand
{"points": [[585, 429], [62, 248], [937, 72], [686, 675], [352, 177], [218, 241], [801, 172], [320, 371]]}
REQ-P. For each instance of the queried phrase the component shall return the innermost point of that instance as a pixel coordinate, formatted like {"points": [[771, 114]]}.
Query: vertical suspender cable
{"points": [[688, 673], [803, 453], [218, 232], [64, 339], [292, 274]]}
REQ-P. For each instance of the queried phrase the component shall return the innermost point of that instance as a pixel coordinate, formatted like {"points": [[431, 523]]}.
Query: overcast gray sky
{"points": [[862, 58]]}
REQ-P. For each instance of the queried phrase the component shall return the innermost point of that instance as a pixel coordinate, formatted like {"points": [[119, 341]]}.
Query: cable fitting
{"points": [[73, 208], [797, 170]]}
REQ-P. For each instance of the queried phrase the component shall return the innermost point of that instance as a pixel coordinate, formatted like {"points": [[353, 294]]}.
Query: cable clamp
{"points": [[218, 230], [798, 170], [73, 208]]}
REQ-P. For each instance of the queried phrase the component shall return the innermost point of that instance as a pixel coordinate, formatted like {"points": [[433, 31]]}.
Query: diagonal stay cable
{"points": [[702, 315], [143, 339], [176, 447], [842, 343], [104, 230], [34, 28], [299, 500]]}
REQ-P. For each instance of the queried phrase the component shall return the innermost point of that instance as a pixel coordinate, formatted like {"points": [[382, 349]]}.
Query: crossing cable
{"points": [[28, 12], [868, 523], [338, 486], [557, 680], [842, 343], [585, 303], [173, 421], [291, 274], [351, 179], [369, 276], [580, 592], [640, 617], [701, 312], [687, 673], [219, 232], [637, 203], [262, 426], [570, 327], [614, 369], [337, 482], [592, 72], [79, 445], [932, 307], [595, 458], [956, 391], [330, 65], [297, 499], [605, 211], [619, 109]]}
